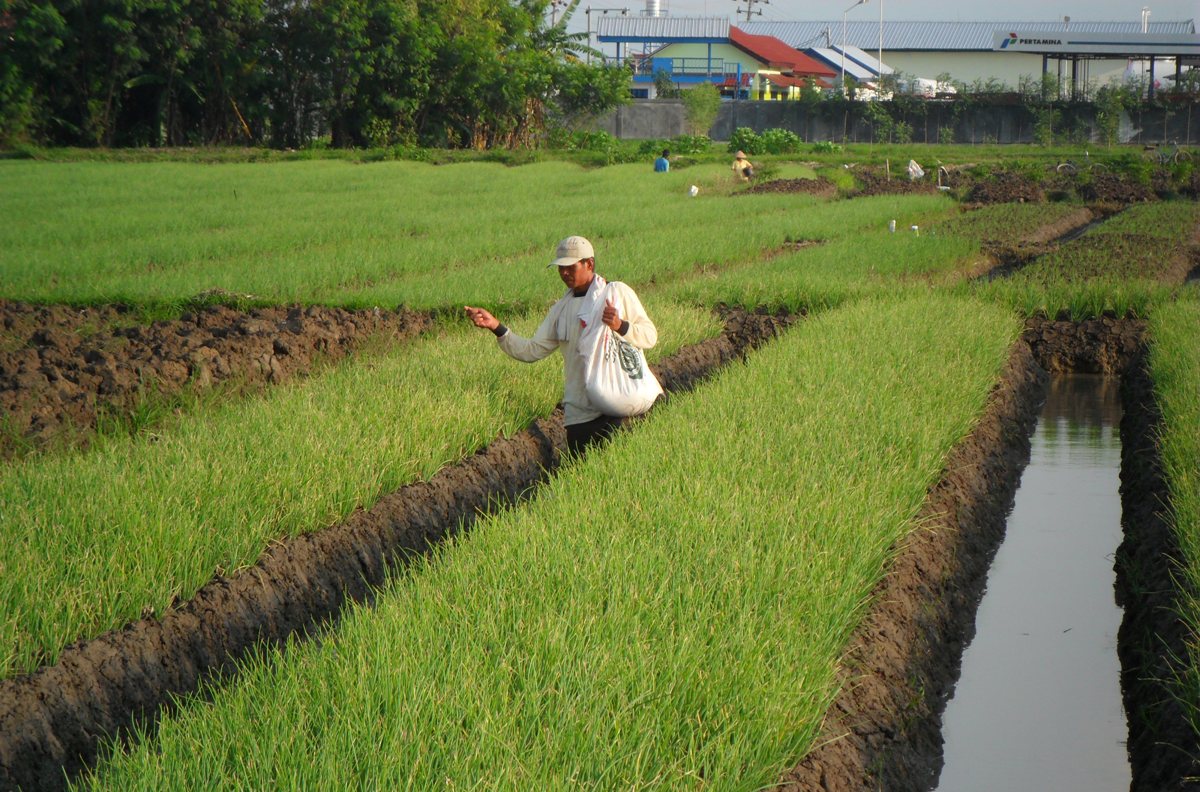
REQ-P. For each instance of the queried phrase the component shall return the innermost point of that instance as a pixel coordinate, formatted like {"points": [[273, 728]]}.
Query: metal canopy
{"points": [[834, 59], [864, 59], [666, 30], [1065, 43]]}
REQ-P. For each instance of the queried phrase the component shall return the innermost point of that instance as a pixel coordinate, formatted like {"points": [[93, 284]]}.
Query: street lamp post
{"points": [[879, 84], [844, 13]]}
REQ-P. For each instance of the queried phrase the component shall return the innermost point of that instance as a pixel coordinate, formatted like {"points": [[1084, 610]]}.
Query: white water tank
{"points": [[655, 8]]}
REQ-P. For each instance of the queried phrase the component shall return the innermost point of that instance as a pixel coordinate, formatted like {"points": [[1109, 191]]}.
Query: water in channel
{"points": [[1038, 704]]}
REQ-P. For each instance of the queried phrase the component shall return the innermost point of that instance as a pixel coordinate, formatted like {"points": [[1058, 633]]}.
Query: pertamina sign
{"points": [[1063, 42]]}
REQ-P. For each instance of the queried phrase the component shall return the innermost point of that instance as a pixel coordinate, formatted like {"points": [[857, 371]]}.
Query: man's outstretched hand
{"points": [[482, 318]]}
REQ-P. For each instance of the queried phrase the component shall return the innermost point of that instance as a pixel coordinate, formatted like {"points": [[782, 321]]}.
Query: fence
{"points": [[964, 121]]}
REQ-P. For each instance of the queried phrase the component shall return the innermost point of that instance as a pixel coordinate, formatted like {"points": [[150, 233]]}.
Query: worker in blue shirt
{"points": [[663, 163]]}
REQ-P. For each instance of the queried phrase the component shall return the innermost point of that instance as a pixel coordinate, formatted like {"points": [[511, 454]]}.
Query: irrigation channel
{"points": [[884, 730], [1041, 679]]}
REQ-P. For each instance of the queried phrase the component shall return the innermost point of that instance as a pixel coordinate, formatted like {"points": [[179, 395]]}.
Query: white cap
{"points": [[571, 250]]}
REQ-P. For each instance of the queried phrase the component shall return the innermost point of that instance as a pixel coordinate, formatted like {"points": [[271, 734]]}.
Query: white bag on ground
{"points": [[617, 379], [914, 170]]}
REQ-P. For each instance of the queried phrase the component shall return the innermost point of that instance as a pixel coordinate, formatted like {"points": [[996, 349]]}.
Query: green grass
{"points": [[336, 232], [1004, 223], [157, 234], [1175, 367], [93, 539], [1076, 300], [849, 266], [667, 613]]}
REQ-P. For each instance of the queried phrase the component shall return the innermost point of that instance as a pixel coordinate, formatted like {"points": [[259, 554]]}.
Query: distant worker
{"points": [[742, 169], [565, 326], [663, 163]]}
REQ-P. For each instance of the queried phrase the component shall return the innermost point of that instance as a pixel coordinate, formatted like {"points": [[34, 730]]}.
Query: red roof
{"points": [[778, 55]]}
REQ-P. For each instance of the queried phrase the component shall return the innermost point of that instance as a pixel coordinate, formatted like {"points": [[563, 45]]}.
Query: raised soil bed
{"points": [[61, 367]]}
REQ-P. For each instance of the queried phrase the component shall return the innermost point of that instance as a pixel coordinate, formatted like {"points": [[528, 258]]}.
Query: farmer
{"points": [[561, 330], [663, 163], [742, 169]]}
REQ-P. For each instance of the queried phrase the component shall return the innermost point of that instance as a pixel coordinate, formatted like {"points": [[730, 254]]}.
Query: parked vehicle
{"points": [[928, 89]]}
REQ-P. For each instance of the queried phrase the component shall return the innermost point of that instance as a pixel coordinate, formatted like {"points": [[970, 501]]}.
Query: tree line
{"points": [[283, 73]]}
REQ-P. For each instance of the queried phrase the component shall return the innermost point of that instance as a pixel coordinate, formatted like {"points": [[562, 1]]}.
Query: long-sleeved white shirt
{"points": [[561, 330]]}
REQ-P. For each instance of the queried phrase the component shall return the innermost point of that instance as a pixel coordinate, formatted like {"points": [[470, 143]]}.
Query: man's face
{"points": [[577, 275]]}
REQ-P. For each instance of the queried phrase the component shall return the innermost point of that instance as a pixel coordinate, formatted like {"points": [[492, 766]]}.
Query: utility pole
{"points": [[750, 8], [554, 6], [603, 12]]}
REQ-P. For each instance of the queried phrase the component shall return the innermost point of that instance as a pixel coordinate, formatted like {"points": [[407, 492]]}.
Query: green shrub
{"points": [[590, 140], [771, 141], [651, 147], [680, 144], [689, 144], [778, 141], [826, 147], [701, 104], [744, 139], [1134, 166], [664, 86]]}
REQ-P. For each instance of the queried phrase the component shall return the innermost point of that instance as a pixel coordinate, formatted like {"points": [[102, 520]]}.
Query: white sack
{"points": [[616, 377]]}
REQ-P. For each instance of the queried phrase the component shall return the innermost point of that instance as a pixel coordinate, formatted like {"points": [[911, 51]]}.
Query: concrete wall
{"points": [[666, 118], [656, 118]]}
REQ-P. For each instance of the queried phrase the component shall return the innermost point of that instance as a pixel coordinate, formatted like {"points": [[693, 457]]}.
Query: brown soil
{"points": [[53, 721], [1163, 751], [61, 367], [1005, 187], [1095, 346], [883, 730], [875, 181], [1114, 189], [818, 186]]}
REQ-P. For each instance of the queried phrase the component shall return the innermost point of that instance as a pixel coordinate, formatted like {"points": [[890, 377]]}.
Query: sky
{"points": [[940, 10]]}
